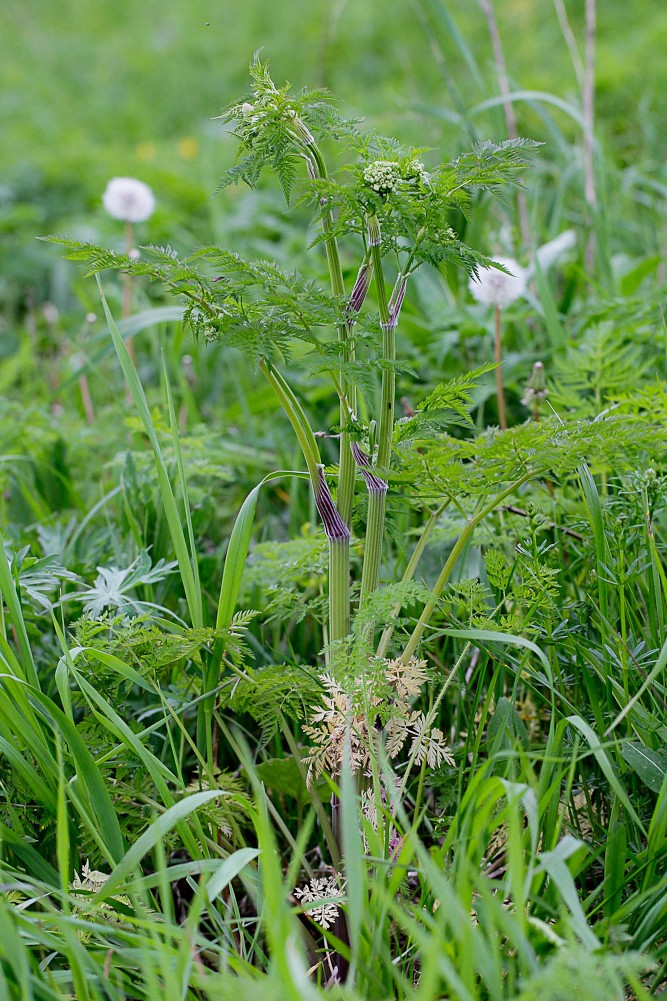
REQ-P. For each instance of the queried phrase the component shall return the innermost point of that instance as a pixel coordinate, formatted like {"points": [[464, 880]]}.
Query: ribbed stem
{"points": [[335, 528], [377, 497], [339, 590], [370, 575], [338, 535], [345, 495]]}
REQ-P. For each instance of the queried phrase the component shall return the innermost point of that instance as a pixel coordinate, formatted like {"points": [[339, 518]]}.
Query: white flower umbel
{"points": [[383, 176], [128, 199], [492, 287]]}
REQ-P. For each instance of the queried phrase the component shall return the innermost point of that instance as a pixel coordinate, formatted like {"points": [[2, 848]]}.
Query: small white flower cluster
{"points": [[417, 170], [495, 288], [252, 116], [383, 176], [321, 888], [128, 199]]}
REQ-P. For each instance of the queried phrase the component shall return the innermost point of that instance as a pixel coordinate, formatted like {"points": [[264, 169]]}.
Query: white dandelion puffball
{"points": [[128, 199], [495, 288]]}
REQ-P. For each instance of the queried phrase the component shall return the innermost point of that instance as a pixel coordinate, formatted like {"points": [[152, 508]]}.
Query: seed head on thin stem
{"points": [[492, 287], [128, 199]]}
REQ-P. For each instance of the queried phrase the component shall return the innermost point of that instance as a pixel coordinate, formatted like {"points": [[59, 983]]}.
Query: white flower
{"points": [[417, 169], [128, 199], [383, 176], [494, 288]]}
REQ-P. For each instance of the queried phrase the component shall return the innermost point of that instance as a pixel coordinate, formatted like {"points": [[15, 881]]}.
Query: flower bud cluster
{"points": [[417, 171], [383, 176]]}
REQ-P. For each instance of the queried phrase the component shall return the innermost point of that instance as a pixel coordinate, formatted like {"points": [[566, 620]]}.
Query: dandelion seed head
{"points": [[128, 199], [495, 288]]}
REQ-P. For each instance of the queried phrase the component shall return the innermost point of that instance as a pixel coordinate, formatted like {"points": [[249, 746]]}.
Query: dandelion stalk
{"points": [[502, 414], [131, 201], [493, 287], [127, 288]]}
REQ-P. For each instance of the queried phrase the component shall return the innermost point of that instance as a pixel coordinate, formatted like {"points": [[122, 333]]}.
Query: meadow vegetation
{"points": [[333, 503]]}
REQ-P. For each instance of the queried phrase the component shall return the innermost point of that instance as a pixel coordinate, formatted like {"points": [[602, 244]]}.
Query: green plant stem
{"points": [[335, 528], [389, 312], [409, 573], [386, 421], [339, 590], [377, 499], [447, 569], [345, 495], [502, 414]]}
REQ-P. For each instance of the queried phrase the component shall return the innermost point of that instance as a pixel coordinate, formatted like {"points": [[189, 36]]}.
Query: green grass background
{"points": [[90, 85]]}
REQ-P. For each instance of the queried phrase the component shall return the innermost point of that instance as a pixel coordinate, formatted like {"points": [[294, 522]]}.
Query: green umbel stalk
{"points": [[377, 493], [345, 496]]}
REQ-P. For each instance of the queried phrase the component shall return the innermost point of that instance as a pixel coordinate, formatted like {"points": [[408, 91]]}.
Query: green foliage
{"points": [[536, 588], [272, 693]]}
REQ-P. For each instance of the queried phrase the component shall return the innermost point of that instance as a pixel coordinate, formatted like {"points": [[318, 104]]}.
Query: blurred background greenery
{"points": [[89, 90], [133, 87]]}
